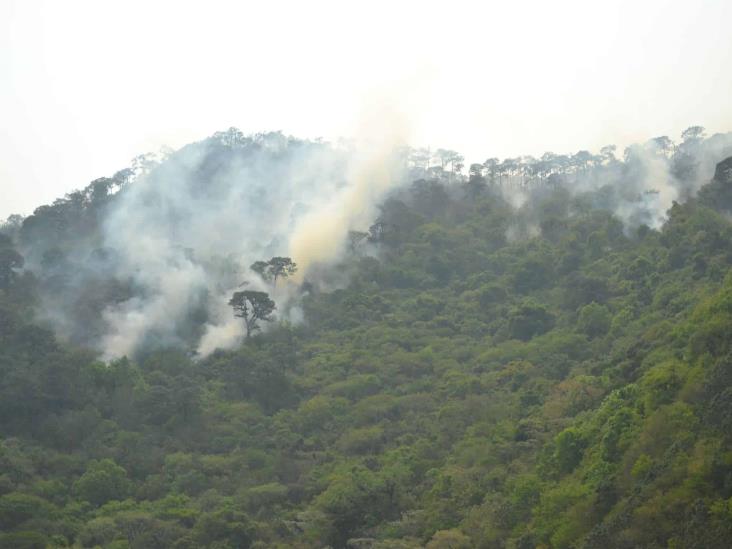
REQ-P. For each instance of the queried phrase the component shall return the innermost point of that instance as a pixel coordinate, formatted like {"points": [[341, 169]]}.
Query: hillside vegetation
{"points": [[510, 359]]}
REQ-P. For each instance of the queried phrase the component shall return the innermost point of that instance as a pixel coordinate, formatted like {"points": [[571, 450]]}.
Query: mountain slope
{"points": [[489, 366]]}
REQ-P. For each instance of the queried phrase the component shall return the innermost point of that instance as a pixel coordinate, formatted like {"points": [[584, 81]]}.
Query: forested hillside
{"points": [[537, 354]]}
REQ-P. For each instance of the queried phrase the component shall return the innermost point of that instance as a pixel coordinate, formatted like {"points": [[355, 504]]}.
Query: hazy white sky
{"points": [[87, 85]]}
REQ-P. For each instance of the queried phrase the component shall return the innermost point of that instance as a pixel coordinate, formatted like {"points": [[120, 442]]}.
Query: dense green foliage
{"points": [[567, 387]]}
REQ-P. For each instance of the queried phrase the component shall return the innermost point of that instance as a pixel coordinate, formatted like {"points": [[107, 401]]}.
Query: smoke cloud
{"points": [[158, 253], [375, 167], [185, 232]]}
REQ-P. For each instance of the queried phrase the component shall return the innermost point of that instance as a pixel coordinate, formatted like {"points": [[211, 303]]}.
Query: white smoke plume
{"points": [[375, 168], [639, 190], [177, 241], [185, 233]]}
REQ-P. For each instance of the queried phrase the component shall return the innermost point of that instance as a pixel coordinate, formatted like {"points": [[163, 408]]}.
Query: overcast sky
{"points": [[87, 85]]}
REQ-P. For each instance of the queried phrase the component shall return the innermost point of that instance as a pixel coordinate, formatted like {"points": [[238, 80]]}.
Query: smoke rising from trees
{"points": [[151, 256]]}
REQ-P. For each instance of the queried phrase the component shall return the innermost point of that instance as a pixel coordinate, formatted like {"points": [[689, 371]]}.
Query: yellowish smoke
{"points": [[320, 235]]}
